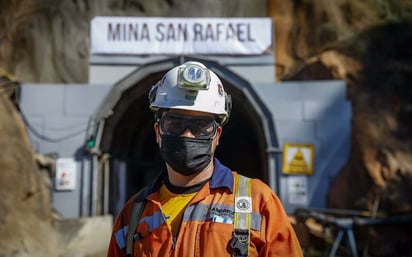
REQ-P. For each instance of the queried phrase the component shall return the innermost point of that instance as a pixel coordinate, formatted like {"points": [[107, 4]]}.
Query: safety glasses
{"points": [[172, 124]]}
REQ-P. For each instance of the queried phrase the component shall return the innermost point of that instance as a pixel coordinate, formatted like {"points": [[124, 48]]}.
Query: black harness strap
{"points": [[134, 220]]}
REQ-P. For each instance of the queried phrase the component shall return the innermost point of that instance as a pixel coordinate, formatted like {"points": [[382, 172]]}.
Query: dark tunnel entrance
{"points": [[129, 138]]}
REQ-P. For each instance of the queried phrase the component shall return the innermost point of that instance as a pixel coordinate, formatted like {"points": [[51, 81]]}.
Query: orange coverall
{"points": [[207, 226]]}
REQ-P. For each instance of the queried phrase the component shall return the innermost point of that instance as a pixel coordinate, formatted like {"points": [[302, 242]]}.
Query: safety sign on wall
{"points": [[298, 190], [65, 174], [298, 159]]}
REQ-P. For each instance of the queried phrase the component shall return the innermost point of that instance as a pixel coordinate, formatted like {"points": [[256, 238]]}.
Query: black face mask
{"points": [[186, 155]]}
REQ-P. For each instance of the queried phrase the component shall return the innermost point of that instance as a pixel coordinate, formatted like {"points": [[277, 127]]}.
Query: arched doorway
{"points": [[127, 130]]}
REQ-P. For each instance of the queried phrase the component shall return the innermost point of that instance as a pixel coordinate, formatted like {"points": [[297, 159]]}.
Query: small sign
{"points": [[65, 174], [169, 35], [298, 159], [298, 190]]}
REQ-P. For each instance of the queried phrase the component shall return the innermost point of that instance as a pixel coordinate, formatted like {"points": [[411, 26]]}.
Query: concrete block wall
{"points": [[57, 115], [317, 113]]}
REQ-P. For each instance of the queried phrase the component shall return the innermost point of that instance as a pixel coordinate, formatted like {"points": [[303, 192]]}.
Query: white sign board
{"points": [[159, 35], [66, 169], [298, 190]]}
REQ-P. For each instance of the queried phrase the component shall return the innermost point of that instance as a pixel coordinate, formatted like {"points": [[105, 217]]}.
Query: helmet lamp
{"points": [[193, 77]]}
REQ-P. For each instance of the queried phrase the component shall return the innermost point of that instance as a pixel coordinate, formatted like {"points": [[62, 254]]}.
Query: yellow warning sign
{"points": [[298, 159]]}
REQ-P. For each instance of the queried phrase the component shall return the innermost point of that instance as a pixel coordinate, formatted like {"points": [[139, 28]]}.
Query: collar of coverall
{"points": [[222, 177]]}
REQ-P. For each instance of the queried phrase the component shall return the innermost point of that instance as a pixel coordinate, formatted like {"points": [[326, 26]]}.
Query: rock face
{"points": [[49, 42], [368, 45], [25, 211], [380, 169]]}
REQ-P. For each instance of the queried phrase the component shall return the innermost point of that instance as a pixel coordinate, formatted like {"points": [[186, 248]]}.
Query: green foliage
{"points": [[337, 24], [370, 12], [358, 14], [390, 10], [326, 33], [382, 43]]}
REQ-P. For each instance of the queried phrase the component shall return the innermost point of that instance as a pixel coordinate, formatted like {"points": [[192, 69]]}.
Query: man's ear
{"points": [[218, 134], [156, 128]]}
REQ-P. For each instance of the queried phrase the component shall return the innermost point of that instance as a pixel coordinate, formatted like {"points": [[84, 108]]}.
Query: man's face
{"points": [[187, 123]]}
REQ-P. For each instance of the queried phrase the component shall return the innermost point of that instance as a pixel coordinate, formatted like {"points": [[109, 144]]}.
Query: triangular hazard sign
{"points": [[298, 164], [298, 159]]}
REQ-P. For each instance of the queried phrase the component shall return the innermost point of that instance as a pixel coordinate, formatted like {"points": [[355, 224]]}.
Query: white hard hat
{"points": [[191, 86]]}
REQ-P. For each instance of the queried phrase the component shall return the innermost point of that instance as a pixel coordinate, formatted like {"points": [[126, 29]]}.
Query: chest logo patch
{"points": [[243, 204]]}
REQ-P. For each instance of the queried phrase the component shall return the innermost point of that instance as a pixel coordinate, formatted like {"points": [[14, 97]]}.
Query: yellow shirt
{"points": [[173, 206]]}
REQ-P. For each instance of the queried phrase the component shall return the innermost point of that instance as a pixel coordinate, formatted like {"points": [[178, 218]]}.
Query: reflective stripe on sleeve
{"points": [[154, 221], [120, 236]]}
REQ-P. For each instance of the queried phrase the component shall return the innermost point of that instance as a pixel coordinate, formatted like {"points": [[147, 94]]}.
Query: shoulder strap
{"points": [[134, 220], [242, 216]]}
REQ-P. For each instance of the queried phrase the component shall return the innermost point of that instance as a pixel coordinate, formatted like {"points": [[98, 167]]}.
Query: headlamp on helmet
{"points": [[193, 77], [191, 86]]}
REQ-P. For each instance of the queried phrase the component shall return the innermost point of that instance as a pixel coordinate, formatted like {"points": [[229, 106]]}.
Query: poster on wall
{"points": [[66, 173], [298, 190]]}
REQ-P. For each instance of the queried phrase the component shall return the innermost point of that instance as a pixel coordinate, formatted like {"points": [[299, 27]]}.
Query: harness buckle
{"points": [[239, 242]]}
